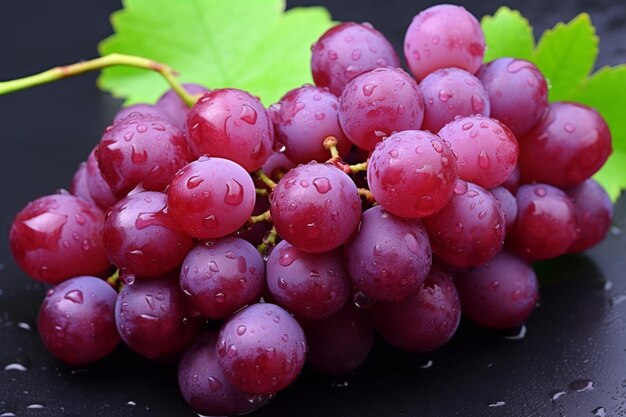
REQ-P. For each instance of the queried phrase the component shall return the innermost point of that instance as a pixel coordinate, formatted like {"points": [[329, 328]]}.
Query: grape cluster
{"points": [[241, 241]]}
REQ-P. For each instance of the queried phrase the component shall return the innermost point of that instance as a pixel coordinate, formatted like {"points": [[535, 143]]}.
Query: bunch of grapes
{"points": [[242, 241]]}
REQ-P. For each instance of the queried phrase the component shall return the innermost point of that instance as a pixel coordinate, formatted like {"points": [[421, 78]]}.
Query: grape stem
{"points": [[58, 73], [263, 217], [269, 241], [358, 167], [330, 144], [367, 195], [114, 280], [262, 192], [265, 179]]}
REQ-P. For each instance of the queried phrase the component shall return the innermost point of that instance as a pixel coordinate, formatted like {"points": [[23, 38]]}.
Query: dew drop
{"points": [[219, 297], [213, 267], [75, 296], [467, 126], [540, 192], [368, 89], [241, 330], [444, 95], [248, 114], [478, 104], [234, 193]]}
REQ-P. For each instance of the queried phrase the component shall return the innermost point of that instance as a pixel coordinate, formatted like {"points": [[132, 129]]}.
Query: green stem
{"points": [[265, 179], [330, 144], [57, 73], [358, 167], [263, 217]]}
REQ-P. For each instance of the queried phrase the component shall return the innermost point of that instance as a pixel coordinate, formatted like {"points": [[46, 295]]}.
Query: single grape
{"points": [[136, 109], [486, 150], [219, 277], [443, 36], [546, 222], [153, 319], [141, 149], [261, 349], [204, 387], [594, 212], [377, 103], [174, 107], [315, 207], [141, 237], [346, 50], [340, 343], [450, 93], [424, 321], [388, 258], [469, 230], [57, 237], [79, 186], [517, 91], [232, 124], [99, 189], [499, 294], [508, 203], [312, 286], [211, 197], [76, 321], [568, 145], [303, 118], [412, 173]]}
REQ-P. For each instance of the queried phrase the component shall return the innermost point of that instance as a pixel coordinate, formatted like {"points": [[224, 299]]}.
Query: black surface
{"points": [[577, 335]]}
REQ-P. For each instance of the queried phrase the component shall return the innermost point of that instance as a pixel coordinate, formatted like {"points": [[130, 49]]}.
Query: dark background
{"points": [[575, 339]]}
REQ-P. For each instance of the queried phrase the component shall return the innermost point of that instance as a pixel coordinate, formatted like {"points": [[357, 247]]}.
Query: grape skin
{"points": [[76, 321], [141, 237], [232, 124], [450, 93], [198, 370], [424, 321], [388, 258], [174, 108], [79, 186], [443, 36], [594, 212], [312, 286], [377, 103], [99, 189], [315, 207], [261, 349], [469, 230], [219, 277], [508, 203], [211, 197], [345, 51], [412, 173], [57, 237]]}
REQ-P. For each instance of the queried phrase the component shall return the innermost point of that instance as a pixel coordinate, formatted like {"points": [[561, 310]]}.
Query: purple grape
{"points": [[443, 36], [486, 150], [499, 294], [141, 237], [312, 286], [517, 91], [508, 203], [412, 173], [153, 319], [174, 107], [377, 103], [513, 182], [568, 145], [232, 124], [222, 276], [594, 212], [261, 349], [315, 207], [303, 118], [140, 108], [426, 320], [546, 223], [388, 258], [57, 237], [141, 149], [211, 197], [79, 186], [339, 344], [204, 387], [469, 230], [345, 51], [99, 189], [76, 321], [450, 93]]}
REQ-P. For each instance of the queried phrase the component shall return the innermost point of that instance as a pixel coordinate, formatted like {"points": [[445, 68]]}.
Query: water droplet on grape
{"points": [[241, 330], [234, 193], [248, 114], [368, 89]]}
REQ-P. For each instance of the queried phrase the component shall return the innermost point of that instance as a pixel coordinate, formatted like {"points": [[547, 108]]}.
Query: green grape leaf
{"points": [[508, 34], [254, 45], [566, 55]]}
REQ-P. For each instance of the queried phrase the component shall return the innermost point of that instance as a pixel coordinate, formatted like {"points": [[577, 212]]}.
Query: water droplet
{"points": [[35, 406], [427, 365], [599, 412], [368, 89], [519, 335], [467, 126], [378, 250], [304, 183], [581, 385], [362, 301], [219, 297], [356, 54], [79, 219], [232, 351], [540, 192], [142, 128], [569, 127], [322, 185], [478, 104], [15, 367], [332, 55], [497, 404], [437, 146], [254, 399], [556, 395], [444, 95], [241, 330], [138, 156], [320, 115], [213, 266], [248, 114], [214, 384], [210, 221], [234, 193], [493, 285], [75, 296], [128, 136], [517, 65]]}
